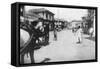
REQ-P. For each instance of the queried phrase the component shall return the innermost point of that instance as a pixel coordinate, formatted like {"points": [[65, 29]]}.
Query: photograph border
{"points": [[59, 6]]}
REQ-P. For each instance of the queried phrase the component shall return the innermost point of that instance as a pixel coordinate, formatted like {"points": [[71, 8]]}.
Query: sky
{"points": [[68, 14]]}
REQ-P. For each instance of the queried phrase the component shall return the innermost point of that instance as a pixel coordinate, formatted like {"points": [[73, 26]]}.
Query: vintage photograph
{"points": [[56, 34]]}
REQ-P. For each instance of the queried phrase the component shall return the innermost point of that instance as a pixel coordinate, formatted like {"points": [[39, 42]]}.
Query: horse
{"points": [[28, 38]]}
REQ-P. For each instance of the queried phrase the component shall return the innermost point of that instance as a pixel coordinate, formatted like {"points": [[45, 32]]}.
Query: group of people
{"points": [[79, 30]]}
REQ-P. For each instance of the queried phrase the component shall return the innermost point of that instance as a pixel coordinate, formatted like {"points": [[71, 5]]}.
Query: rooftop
{"points": [[40, 10]]}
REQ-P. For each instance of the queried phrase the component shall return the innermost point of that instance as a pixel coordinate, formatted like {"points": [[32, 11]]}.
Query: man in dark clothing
{"points": [[55, 31]]}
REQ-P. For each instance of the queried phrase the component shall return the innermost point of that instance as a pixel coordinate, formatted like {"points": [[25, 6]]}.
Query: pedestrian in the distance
{"points": [[91, 30], [55, 33], [79, 34]]}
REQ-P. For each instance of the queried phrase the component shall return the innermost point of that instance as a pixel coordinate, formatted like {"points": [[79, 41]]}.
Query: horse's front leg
{"points": [[32, 56], [22, 58]]}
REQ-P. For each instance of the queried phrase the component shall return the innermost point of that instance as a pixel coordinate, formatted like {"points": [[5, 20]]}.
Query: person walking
{"points": [[91, 30], [79, 34], [55, 32]]}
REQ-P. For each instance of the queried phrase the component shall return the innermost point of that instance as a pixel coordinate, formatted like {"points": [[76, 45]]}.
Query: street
{"points": [[64, 49]]}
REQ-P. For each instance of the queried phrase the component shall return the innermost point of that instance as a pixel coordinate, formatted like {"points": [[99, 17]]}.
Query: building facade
{"points": [[89, 21], [47, 16]]}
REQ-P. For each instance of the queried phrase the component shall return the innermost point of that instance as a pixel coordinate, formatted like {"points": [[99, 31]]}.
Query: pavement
{"points": [[64, 49]]}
